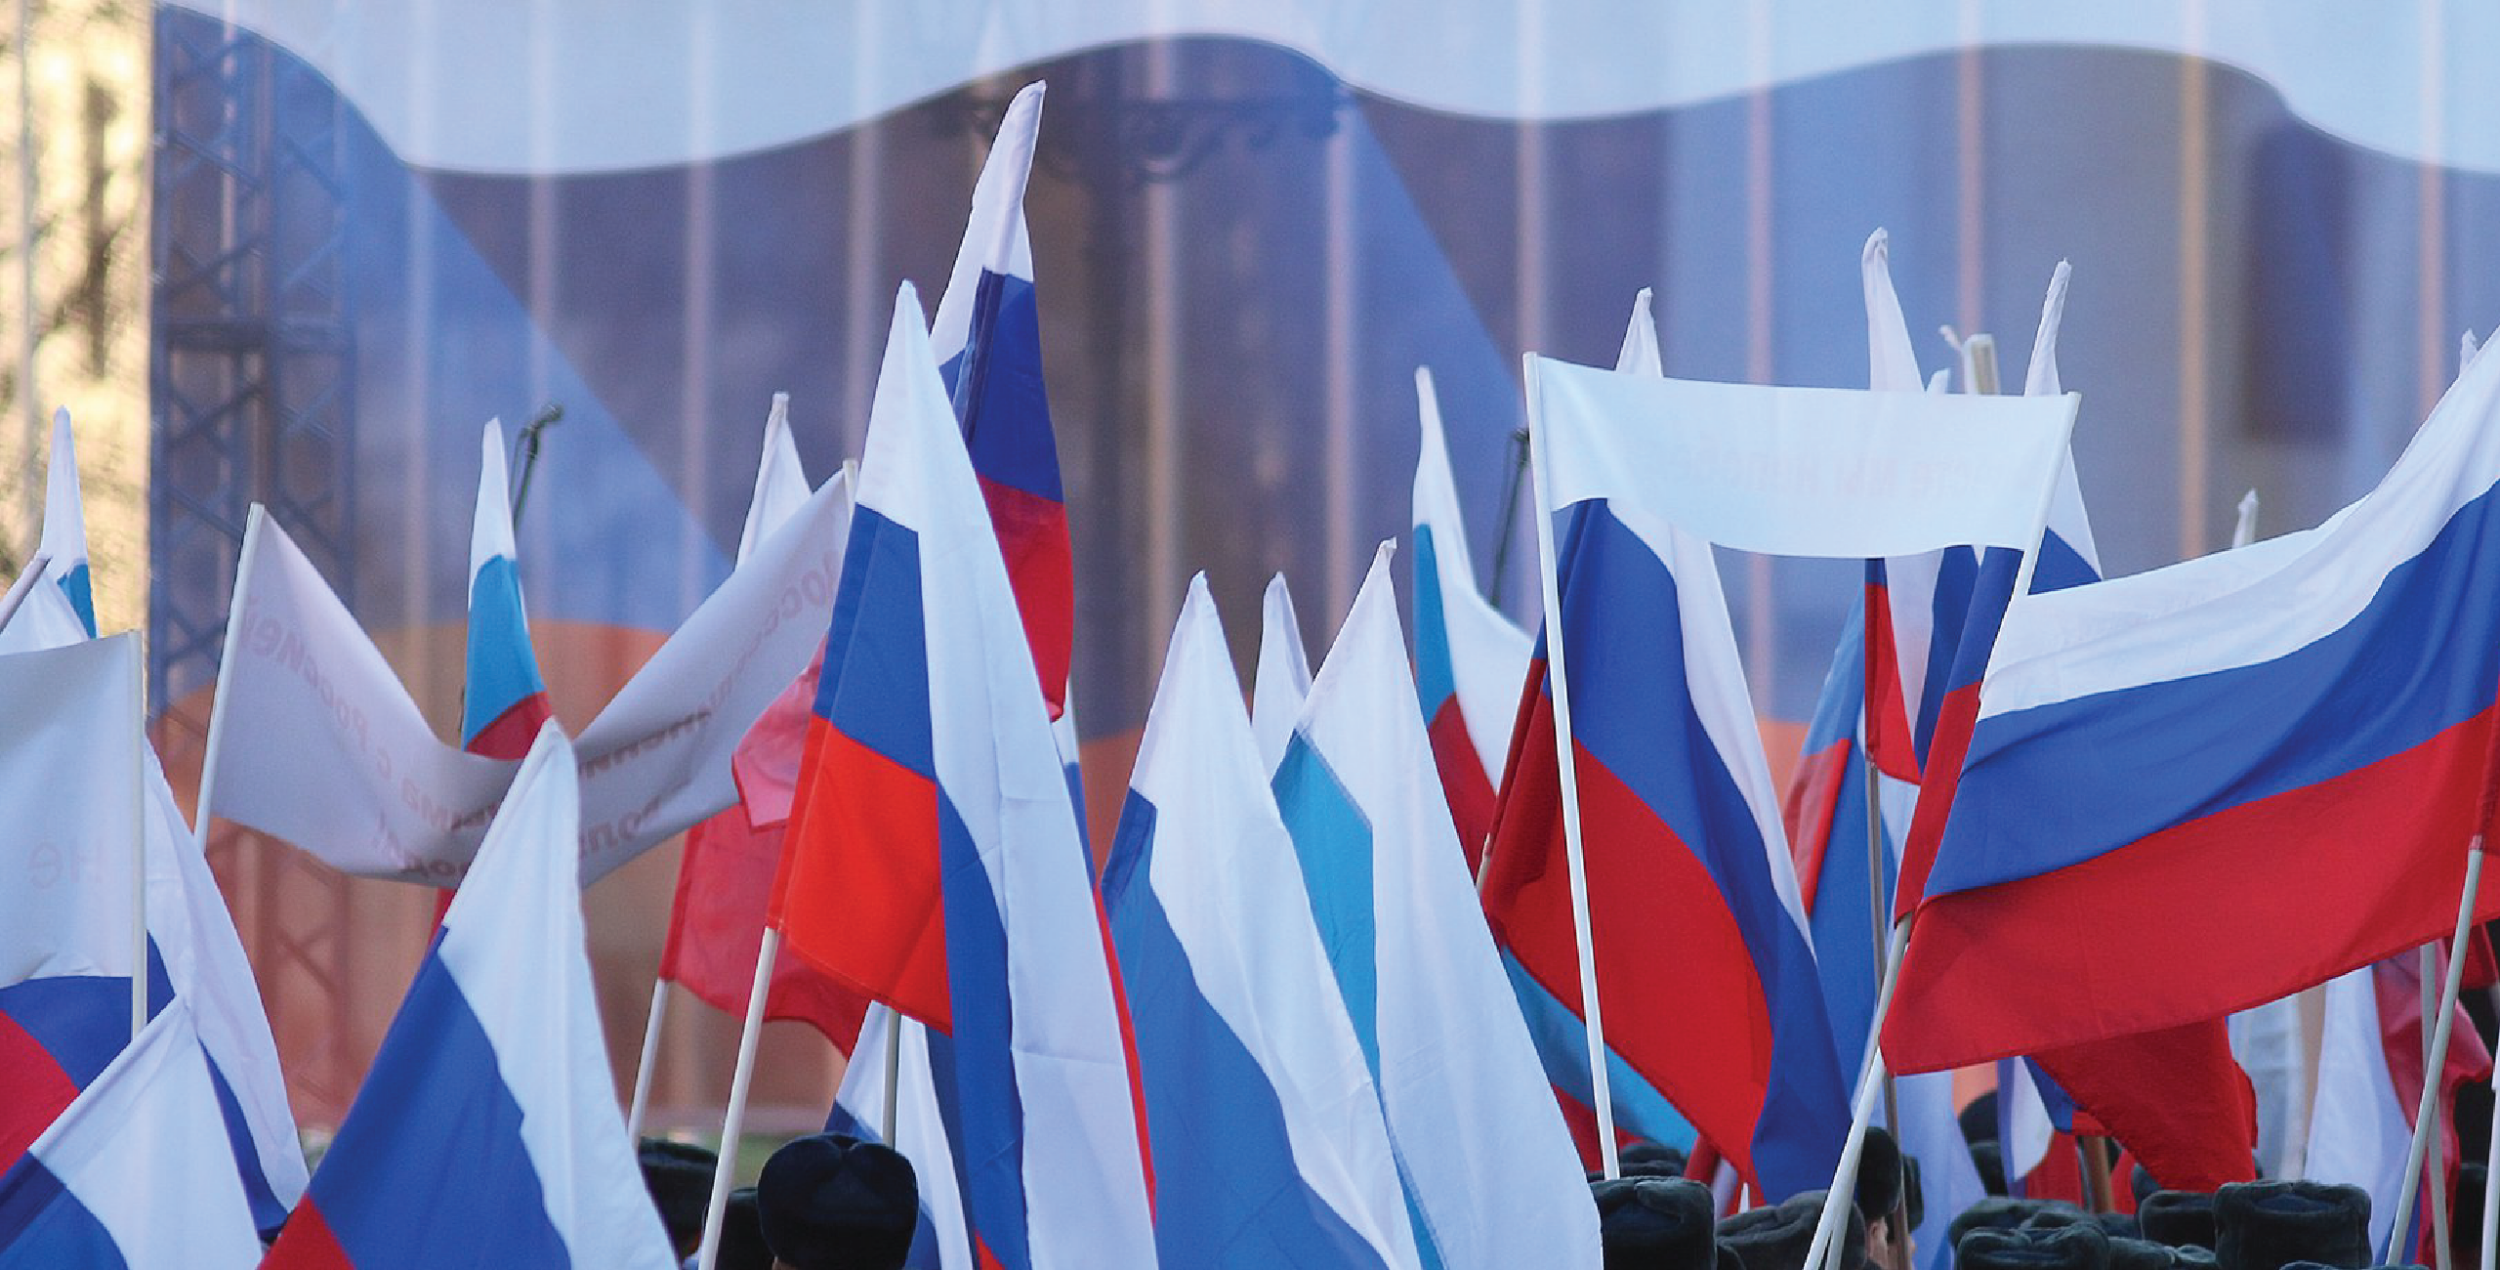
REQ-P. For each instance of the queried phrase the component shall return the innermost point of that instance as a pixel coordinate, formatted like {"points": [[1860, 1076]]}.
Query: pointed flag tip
{"points": [[1878, 246]]}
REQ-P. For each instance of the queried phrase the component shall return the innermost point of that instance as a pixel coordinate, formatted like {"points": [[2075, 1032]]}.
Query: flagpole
{"points": [[2436, 1049], [1601, 1094], [139, 841], [225, 663], [1871, 1075], [2433, 1069], [734, 1124], [893, 1072], [2491, 1191], [1894, 1218], [650, 1055]]}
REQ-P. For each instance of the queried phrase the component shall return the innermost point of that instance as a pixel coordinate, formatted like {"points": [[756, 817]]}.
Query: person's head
{"points": [[1655, 1223], [833, 1202], [1778, 1237], [2267, 1225], [679, 1177]]}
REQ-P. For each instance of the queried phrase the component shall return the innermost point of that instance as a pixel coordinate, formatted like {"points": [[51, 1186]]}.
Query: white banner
{"points": [[316, 740], [1845, 473], [69, 777]]}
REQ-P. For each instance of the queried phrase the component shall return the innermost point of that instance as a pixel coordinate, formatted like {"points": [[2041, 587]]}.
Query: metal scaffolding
{"points": [[251, 379]]}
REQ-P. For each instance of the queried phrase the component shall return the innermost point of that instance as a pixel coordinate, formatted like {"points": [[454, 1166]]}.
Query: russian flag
{"points": [[505, 701], [1284, 674], [70, 772], [487, 1130], [64, 538], [133, 1173], [1693, 902], [1266, 1122], [934, 860], [1468, 656], [943, 1240], [2172, 760], [1489, 1167], [987, 336]]}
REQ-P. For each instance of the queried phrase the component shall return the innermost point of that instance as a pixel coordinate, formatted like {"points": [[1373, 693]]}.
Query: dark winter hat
{"points": [[2118, 1225], [1993, 1213], [679, 1177], [741, 1235], [2139, 1254], [2193, 1257], [1879, 1174], [2081, 1246], [1650, 1159], [2049, 1214], [1653, 1223], [2465, 1226], [1979, 1119], [2181, 1219], [2267, 1225], [1990, 1161], [833, 1202], [1778, 1237], [1913, 1195]]}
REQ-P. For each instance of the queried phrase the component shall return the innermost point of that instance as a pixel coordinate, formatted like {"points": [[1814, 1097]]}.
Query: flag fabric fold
{"points": [[1489, 1168], [934, 860], [332, 754], [1284, 674], [133, 1174], [2316, 705], [1268, 1129], [487, 1129], [1468, 656]]}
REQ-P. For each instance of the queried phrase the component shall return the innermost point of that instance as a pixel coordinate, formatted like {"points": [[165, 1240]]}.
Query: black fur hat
{"points": [[2268, 1225], [679, 1177], [833, 1202], [1778, 1237], [2080, 1246], [2181, 1219], [1655, 1223]]}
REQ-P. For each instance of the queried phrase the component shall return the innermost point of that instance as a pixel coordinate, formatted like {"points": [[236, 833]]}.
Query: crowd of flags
{"points": [[1379, 960]]}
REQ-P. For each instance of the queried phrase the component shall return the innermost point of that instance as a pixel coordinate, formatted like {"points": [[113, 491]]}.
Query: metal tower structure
{"points": [[251, 378]]}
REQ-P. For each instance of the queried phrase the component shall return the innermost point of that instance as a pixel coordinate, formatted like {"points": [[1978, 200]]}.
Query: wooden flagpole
{"points": [[1601, 1094], [650, 1056], [734, 1123]]}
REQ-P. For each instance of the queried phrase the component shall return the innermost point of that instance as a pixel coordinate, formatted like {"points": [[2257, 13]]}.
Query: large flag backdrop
{"points": [[1247, 229]]}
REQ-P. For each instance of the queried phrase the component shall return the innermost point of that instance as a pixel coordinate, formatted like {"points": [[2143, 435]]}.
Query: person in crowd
{"points": [[679, 1177], [833, 1202]]}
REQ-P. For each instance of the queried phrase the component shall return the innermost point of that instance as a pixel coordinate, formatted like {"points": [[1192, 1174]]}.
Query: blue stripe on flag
{"points": [[44, 1227], [1333, 840], [429, 1168], [988, 1129], [1227, 1188], [502, 667]]}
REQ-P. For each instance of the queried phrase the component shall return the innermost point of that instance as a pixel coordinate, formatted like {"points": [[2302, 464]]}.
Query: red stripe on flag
{"points": [[2214, 915], [510, 736], [1669, 954], [860, 894], [1888, 730], [1033, 538], [1463, 782], [2175, 1096], [1813, 799], [308, 1243], [38, 1091]]}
